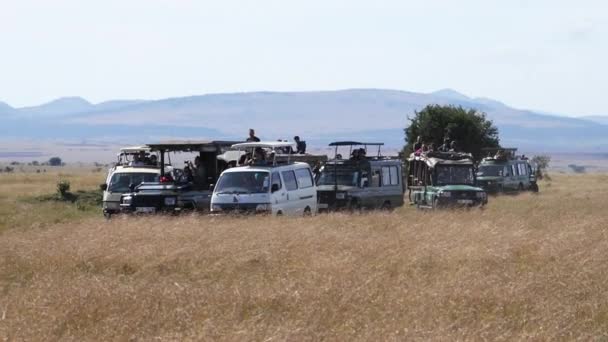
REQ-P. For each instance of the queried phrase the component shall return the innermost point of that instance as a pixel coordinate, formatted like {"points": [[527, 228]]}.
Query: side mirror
{"points": [[103, 187], [364, 183], [274, 187], [132, 187], [211, 187]]}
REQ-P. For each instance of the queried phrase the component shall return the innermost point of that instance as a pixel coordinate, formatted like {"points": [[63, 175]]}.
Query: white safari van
{"points": [[265, 186]]}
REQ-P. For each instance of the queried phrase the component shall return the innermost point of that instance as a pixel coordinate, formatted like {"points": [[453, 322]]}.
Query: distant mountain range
{"points": [[318, 116]]}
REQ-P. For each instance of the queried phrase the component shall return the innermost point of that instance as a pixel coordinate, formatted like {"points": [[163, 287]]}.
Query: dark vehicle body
{"points": [[443, 179], [506, 172], [175, 192], [360, 183]]}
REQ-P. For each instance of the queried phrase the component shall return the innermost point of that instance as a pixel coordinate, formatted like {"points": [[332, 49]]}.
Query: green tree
{"points": [[55, 161], [470, 128]]}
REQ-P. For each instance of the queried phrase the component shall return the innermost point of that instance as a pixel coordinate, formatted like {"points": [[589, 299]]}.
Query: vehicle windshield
{"points": [[120, 181], [246, 182], [490, 170], [454, 174], [344, 177]]}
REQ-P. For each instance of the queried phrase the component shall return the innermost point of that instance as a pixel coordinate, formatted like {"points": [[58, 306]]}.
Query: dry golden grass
{"points": [[527, 267], [15, 188]]}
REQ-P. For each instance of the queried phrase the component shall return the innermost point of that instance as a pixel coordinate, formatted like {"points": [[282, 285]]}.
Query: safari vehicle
{"points": [[360, 181], [267, 185], [504, 171], [135, 164], [177, 189], [443, 179]]}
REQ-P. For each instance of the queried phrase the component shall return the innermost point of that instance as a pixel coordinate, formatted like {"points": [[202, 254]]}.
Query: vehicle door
{"points": [[307, 192], [391, 186], [278, 198], [370, 187], [514, 177], [291, 186]]}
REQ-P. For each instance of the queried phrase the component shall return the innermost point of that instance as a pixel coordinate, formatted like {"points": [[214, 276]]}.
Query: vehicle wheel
{"points": [[386, 206], [534, 187], [520, 187], [107, 215], [279, 213], [435, 203], [355, 207], [307, 212]]}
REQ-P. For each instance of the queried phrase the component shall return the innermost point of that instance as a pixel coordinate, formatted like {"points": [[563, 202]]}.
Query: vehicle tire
{"points": [[107, 215], [355, 207], [279, 213], [520, 187], [307, 212], [534, 187], [386, 206], [436, 203]]}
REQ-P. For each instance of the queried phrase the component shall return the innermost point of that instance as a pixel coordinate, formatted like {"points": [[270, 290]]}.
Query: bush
{"points": [[63, 188], [55, 161]]}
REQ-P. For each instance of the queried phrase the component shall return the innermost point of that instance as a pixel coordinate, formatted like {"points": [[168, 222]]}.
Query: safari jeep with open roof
{"points": [[360, 181], [179, 189], [134, 166], [267, 185], [504, 171], [443, 179]]}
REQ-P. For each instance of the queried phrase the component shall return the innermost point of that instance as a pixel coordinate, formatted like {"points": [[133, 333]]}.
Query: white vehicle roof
{"points": [[134, 149], [263, 144], [136, 169], [269, 168]]}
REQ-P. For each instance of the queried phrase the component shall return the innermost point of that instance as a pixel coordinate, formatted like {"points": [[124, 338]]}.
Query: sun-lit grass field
{"points": [[527, 267]]}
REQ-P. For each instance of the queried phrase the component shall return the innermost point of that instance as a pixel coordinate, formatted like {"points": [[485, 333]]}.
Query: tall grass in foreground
{"points": [[526, 267]]}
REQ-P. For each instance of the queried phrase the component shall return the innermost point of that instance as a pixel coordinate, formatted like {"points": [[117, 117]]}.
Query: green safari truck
{"points": [[504, 171], [443, 180]]}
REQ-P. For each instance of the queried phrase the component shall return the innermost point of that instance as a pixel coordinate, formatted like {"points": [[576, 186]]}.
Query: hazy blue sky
{"points": [[544, 54]]}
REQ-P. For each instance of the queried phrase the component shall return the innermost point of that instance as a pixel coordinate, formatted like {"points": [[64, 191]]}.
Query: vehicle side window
{"points": [[394, 175], [524, 170], [304, 178], [276, 179], [506, 172], [513, 170], [375, 181], [290, 180], [386, 176], [390, 175]]}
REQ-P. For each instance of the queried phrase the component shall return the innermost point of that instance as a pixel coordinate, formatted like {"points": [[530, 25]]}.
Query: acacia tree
{"points": [[470, 128]]}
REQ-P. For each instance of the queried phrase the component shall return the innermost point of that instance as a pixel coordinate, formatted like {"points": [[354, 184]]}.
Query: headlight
{"points": [[481, 194], [170, 201], [340, 195], [216, 207], [263, 207], [445, 194], [127, 200]]}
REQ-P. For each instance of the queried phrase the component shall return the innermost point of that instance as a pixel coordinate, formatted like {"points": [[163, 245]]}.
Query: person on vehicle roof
{"points": [[154, 160], [198, 172], [137, 161], [252, 137], [300, 145], [418, 143], [446, 145], [453, 146]]}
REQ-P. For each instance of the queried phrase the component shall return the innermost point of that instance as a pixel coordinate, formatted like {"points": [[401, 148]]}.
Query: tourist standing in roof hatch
{"points": [[252, 137]]}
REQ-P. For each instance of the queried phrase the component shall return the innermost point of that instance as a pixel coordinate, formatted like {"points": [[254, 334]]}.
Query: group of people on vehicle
{"points": [[260, 157], [421, 148], [143, 159]]}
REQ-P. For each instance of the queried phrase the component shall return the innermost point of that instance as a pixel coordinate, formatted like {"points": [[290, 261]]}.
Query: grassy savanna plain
{"points": [[527, 267]]}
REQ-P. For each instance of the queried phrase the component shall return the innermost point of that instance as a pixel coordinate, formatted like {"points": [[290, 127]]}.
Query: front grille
{"points": [[140, 200], [463, 195], [238, 207]]}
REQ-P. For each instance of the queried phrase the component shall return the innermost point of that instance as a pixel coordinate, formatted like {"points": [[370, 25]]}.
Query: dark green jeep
{"points": [[360, 181], [443, 179]]}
